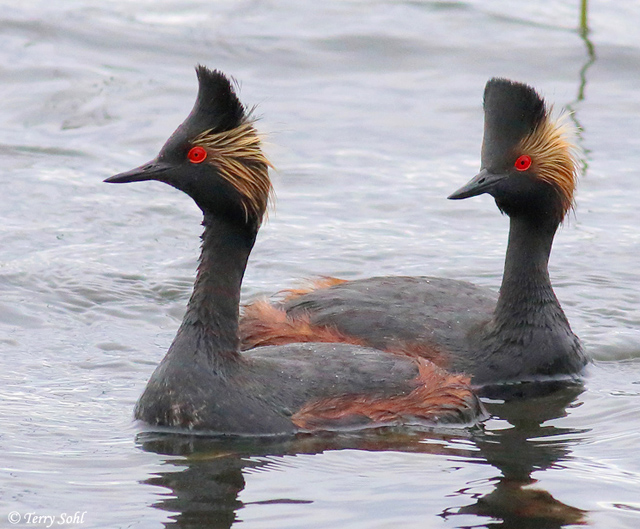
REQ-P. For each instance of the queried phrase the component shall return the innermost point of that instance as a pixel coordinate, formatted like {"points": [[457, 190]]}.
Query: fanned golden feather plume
{"points": [[240, 161], [555, 157]]}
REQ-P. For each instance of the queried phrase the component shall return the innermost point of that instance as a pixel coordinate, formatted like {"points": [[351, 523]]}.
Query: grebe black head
{"points": [[204, 382], [528, 161], [214, 156]]}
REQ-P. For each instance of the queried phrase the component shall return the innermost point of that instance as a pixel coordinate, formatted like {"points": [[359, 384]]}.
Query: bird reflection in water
{"points": [[531, 443], [205, 475]]}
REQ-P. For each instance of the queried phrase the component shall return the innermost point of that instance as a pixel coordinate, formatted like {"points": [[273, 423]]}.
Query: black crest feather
{"points": [[512, 111], [217, 107], [513, 107]]}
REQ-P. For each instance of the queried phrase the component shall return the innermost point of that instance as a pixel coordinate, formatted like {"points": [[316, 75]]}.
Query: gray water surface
{"points": [[372, 111]]}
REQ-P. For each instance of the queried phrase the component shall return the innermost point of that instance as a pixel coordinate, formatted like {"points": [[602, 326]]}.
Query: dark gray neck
{"points": [[526, 296], [210, 325]]}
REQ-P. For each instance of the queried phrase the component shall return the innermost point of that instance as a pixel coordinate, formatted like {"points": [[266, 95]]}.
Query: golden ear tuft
{"points": [[238, 155], [556, 158]]}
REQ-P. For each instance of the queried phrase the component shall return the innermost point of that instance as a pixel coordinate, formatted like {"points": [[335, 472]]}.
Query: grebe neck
{"points": [[526, 295], [213, 310]]}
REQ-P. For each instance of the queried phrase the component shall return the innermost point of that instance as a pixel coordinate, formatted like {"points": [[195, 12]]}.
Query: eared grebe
{"points": [[204, 382], [522, 334]]}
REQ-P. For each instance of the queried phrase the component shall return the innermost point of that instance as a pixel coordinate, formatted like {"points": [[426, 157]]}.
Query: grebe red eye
{"points": [[523, 162], [197, 155]]}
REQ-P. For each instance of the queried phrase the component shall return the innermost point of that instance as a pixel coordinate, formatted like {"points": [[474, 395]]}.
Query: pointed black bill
{"points": [[153, 170], [481, 183]]}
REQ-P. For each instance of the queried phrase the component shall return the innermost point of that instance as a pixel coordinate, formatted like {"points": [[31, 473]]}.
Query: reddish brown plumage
{"points": [[312, 284], [418, 350], [265, 324], [437, 395]]}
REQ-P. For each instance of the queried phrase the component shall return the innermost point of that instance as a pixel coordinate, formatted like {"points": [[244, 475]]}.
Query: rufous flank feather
{"points": [[437, 397]]}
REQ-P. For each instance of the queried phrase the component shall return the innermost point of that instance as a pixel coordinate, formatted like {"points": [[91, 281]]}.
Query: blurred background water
{"points": [[372, 111]]}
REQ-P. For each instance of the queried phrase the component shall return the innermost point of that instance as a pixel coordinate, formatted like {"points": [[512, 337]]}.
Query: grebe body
{"points": [[520, 334], [204, 383]]}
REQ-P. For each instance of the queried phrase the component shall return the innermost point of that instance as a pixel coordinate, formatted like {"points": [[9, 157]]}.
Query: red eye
{"points": [[523, 163], [197, 155]]}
